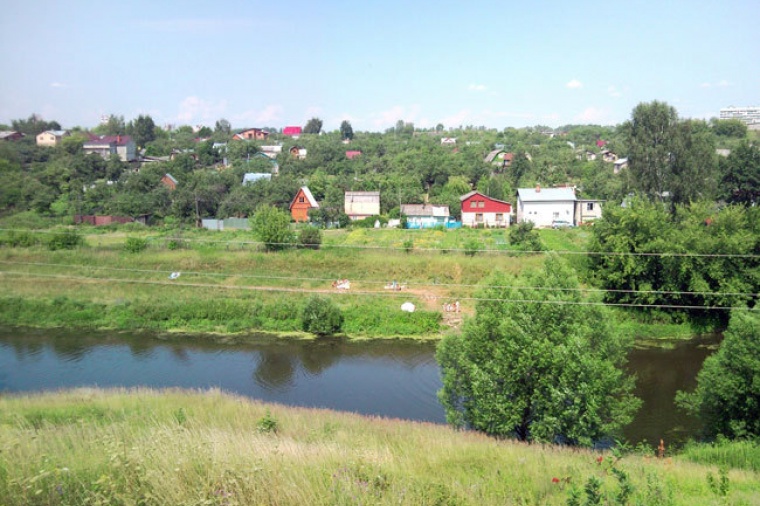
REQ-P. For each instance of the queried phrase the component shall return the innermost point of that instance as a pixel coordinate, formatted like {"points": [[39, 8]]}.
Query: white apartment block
{"points": [[748, 115]]}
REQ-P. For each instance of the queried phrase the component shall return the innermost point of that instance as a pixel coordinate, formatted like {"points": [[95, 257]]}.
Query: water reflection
{"points": [[392, 378]]}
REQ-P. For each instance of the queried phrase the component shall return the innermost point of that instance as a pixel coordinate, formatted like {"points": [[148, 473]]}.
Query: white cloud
{"points": [[388, 118], [269, 114], [477, 87], [574, 84], [614, 92], [194, 110], [720, 84], [57, 85], [705, 85], [723, 83], [594, 115], [459, 118]]}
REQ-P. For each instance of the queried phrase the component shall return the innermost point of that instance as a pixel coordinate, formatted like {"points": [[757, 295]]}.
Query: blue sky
{"points": [[278, 63]]}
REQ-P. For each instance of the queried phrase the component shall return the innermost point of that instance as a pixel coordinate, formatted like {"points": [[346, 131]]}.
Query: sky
{"points": [[278, 63]]}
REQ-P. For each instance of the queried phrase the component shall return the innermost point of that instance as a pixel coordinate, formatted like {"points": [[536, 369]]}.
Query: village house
{"points": [[51, 138], [10, 135], [298, 152], [301, 204], [271, 151], [359, 205], [619, 165], [448, 141], [169, 181], [425, 215], [251, 134], [108, 145], [546, 206], [292, 131], [252, 177], [479, 210], [499, 158], [587, 210], [353, 154]]}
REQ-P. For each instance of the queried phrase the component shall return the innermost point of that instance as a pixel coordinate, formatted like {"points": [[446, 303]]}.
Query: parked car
{"points": [[561, 224]]}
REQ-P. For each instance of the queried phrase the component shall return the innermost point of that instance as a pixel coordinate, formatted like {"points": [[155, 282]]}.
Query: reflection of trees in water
{"points": [[319, 355], [275, 368], [70, 349], [180, 353]]}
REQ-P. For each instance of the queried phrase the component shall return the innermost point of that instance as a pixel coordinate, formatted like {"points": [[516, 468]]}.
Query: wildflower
{"points": [[555, 480], [599, 460]]}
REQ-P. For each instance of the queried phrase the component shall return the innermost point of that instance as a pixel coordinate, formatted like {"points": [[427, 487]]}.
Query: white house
{"points": [[359, 205], [543, 206], [587, 210]]}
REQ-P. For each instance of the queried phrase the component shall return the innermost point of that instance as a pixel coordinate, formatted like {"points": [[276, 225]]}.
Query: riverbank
{"points": [[222, 285], [178, 447]]}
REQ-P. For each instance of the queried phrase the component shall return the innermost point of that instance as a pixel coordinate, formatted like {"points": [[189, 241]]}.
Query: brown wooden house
{"points": [[302, 202]]}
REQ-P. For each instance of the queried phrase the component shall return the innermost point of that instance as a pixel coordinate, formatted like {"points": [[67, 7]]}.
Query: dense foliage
{"points": [[698, 258], [321, 316], [272, 227], [727, 398], [536, 363]]}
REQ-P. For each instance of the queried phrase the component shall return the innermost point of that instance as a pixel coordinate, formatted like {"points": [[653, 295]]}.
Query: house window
{"points": [[481, 204], [499, 217], [473, 204], [555, 214], [300, 200], [590, 206], [479, 218]]}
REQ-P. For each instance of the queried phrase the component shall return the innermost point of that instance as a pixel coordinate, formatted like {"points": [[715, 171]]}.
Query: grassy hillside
{"points": [[227, 285], [148, 447]]}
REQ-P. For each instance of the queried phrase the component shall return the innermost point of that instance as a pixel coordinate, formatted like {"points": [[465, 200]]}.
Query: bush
{"points": [[135, 244], [524, 237], [65, 239], [20, 239], [272, 227], [310, 237], [472, 247], [321, 316]]}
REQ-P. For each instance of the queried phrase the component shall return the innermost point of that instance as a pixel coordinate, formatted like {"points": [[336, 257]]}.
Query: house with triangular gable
{"points": [[302, 203]]}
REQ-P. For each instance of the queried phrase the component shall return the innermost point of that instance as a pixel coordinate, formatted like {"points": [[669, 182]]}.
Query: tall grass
{"points": [[174, 447], [733, 454]]}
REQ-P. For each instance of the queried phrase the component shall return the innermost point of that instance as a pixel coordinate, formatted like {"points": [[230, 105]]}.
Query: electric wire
{"points": [[370, 293], [378, 282]]}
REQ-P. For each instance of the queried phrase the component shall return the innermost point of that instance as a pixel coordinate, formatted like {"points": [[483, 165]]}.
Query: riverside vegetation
{"points": [[190, 448]]}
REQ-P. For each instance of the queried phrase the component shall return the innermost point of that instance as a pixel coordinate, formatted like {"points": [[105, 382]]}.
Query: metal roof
{"points": [[546, 194]]}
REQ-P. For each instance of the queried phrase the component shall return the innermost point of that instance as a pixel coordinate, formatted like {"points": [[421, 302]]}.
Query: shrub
{"points": [[321, 316], [272, 227], [408, 245], [135, 244], [524, 237], [310, 237], [471, 247], [65, 239], [267, 423], [16, 239]]}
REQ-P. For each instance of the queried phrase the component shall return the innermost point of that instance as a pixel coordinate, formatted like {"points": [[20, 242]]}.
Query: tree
{"points": [[741, 175], [537, 364], [439, 127], [142, 130], [729, 128], [649, 136], [222, 127], [313, 126], [321, 316], [114, 125], [272, 227], [34, 125], [727, 397], [346, 131]]}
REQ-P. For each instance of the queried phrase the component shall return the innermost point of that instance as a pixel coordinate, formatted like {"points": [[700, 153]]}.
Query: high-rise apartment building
{"points": [[748, 115]]}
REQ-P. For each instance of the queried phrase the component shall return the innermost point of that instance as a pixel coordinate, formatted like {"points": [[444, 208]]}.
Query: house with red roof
{"points": [[302, 203], [479, 210], [353, 154], [293, 131]]}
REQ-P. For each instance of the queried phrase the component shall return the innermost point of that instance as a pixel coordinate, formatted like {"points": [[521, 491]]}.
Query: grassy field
{"points": [[174, 447], [228, 285]]}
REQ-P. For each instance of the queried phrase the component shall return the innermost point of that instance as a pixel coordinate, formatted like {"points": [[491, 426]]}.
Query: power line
{"points": [[377, 294], [368, 281], [447, 250]]}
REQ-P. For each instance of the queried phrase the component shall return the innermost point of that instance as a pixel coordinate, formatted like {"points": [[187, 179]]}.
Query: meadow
{"points": [[150, 447]]}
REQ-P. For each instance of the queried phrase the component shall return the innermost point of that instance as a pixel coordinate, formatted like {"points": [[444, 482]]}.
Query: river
{"points": [[397, 379]]}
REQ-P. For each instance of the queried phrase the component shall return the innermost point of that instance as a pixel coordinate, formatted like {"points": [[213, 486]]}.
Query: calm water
{"points": [[391, 379]]}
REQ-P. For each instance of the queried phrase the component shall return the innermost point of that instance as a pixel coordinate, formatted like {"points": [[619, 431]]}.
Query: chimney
{"points": [[538, 188], [118, 139]]}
